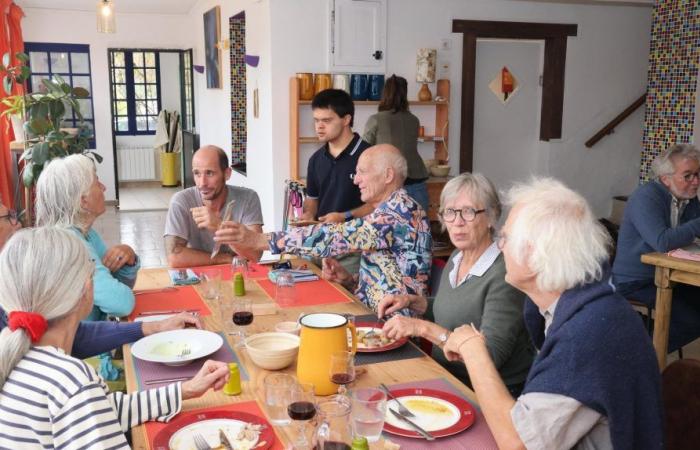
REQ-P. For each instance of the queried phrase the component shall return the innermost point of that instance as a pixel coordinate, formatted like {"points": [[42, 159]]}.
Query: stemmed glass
{"points": [[301, 409], [242, 316], [342, 371]]}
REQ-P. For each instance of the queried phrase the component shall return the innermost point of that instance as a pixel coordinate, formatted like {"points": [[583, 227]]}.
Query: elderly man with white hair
{"points": [[394, 240], [662, 215], [595, 381]]}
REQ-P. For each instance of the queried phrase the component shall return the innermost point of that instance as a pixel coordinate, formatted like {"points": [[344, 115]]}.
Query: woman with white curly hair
{"points": [[595, 381]]}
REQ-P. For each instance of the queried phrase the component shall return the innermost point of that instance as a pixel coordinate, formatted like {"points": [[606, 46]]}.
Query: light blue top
{"points": [[113, 294]]}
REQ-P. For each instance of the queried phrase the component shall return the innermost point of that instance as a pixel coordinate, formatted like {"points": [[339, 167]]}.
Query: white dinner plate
{"points": [[177, 347], [431, 413]]}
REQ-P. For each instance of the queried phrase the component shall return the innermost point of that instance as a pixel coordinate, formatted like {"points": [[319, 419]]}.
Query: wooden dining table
{"points": [[669, 270], [390, 372]]}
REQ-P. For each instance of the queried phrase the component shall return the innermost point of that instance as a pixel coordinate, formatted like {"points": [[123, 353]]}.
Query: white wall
{"points": [[133, 31]]}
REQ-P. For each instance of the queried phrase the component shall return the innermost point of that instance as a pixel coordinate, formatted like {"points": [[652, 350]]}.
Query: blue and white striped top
{"points": [[51, 400]]}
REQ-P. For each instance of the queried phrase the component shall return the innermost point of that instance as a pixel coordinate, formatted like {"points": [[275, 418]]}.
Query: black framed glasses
{"points": [[468, 214], [11, 217], [688, 177]]}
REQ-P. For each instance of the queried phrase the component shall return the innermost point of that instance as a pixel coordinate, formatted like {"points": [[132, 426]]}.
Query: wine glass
{"points": [[301, 409], [342, 371], [242, 316]]}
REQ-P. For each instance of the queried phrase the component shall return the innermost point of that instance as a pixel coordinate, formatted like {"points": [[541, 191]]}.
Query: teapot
{"points": [[322, 334], [334, 430]]}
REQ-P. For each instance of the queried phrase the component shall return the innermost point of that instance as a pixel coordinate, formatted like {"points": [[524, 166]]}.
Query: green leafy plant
{"points": [[14, 75]]}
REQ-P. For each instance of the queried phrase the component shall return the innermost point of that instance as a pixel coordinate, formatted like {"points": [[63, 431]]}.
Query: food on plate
{"points": [[372, 338], [426, 406]]}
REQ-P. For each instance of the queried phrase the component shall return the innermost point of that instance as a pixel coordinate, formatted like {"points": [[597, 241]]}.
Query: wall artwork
{"points": [[504, 85], [212, 35], [239, 93]]}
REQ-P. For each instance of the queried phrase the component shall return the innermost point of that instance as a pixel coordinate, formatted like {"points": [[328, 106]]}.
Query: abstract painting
{"points": [[212, 35]]}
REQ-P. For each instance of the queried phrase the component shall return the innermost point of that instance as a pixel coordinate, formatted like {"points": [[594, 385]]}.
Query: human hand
{"points": [[391, 303], [400, 326], [117, 256], [334, 272], [459, 337], [205, 218], [333, 217], [238, 235], [175, 322], [213, 374]]}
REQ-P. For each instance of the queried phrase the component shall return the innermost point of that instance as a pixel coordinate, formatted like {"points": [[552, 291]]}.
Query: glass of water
{"points": [[368, 410], [278, 387]]}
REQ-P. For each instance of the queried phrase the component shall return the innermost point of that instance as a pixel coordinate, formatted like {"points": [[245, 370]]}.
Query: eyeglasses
{"points": [[500, 239], [11, 217], [467, 214], [688, 177]]}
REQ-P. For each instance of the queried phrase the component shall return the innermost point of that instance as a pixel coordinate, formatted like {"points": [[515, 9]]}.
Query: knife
{"points": [[421, 431], [228, 214]]}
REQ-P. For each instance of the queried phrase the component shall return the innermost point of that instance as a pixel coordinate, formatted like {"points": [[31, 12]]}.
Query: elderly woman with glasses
{"points": [[472, 288], [69, 194], [49, 399]]}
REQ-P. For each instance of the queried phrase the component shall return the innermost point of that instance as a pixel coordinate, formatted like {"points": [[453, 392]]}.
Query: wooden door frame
{"points": [[554, 36]]}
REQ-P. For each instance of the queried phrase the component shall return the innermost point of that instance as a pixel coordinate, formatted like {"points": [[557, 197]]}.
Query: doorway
{"points": [[143, 84]]}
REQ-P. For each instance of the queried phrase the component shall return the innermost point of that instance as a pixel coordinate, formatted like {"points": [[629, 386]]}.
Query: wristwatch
{"points": [[348, 215], [444, 337]]}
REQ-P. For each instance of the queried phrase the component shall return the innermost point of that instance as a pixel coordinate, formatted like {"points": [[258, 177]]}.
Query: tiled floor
{"points": [[145, 196]]}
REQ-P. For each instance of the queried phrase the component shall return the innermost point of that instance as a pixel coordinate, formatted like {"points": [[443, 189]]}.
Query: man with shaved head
{"points": [[196, 213], [394, 240]]}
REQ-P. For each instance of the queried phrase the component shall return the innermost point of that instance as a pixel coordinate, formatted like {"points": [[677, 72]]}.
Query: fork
{"points": [[402, 409], [184, 352], [200, 443]]}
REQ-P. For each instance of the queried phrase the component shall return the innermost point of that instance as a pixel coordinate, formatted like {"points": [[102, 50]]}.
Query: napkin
{"points": [[298, 275], [178, 280]]}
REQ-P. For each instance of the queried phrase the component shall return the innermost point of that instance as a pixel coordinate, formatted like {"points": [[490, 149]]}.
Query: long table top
{"points": [[391, 372]]}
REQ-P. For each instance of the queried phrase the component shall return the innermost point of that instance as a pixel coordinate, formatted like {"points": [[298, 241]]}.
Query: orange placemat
{"points": [[184, 298], [251, 407], [309, 293], [255, 271]]}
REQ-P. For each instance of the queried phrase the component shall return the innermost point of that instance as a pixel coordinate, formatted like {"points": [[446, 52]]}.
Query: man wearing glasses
{"points": [[662, 215]]}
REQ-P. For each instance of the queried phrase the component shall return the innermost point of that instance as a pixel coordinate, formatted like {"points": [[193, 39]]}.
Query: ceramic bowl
{"points": [[288, 327], [440, 170], [272, 351], [430, 163]]}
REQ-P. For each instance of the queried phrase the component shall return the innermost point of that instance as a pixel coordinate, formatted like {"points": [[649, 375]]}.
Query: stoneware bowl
{"points": [[288, 327], [430, 163], [272, 351], [440, 170]]}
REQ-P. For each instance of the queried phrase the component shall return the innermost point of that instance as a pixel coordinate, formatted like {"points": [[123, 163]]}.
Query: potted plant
{"points": [[12, 76]]}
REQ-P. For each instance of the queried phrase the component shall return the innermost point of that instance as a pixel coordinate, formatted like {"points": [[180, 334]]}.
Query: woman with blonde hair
{"points": [[49, 399]]}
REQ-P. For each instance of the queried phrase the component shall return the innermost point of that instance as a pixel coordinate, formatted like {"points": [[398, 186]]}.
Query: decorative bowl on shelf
{"points": [[440, 170], [430, 163]]}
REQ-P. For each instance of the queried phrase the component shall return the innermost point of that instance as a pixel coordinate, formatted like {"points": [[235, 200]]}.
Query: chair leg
{"points": [[680, 353]]}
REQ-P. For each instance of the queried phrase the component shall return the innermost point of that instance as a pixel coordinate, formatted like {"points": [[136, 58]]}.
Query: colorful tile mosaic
{"points": [[674, 55], [238, 89]]}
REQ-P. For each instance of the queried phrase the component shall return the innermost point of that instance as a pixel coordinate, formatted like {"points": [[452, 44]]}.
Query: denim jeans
{"points": [[419, 193]]}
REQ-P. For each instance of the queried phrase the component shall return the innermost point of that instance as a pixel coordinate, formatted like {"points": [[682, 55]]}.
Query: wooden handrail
{"points": [[610, 127]]}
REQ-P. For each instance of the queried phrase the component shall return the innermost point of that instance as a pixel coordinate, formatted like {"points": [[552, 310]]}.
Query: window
{"points": [[135, 85], [72, 63], [188, 98]]}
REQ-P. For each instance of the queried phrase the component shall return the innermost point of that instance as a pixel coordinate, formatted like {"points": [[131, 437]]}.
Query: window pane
{"points": [[119, 75], [122, 108], [59, 62], [140, 108], [122, 124], [141, 124], [138, 59], [39, 62], [120, 91], [80, 62], [37, 85], [138, 76], [151, 91], [150, 75], [150, 59], [85, 107], [152, 123], [118, 59], [82, 81], [140, 91], [90, 126], [152, 107]]}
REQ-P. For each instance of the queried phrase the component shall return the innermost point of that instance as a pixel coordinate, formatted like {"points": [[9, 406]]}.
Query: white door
{"points": [[358, 36], [506, 136]]}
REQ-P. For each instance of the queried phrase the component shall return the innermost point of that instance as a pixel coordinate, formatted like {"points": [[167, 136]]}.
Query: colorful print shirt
{"points": [[394, 240]]}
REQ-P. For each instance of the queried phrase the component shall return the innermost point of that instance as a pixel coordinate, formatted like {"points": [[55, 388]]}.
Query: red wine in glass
{"points": [[333, 445], [242, 318], [301, 410], [342, 378]]}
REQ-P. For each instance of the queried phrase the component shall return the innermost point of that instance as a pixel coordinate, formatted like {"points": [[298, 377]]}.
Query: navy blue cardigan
{"points": [[598, 352]]}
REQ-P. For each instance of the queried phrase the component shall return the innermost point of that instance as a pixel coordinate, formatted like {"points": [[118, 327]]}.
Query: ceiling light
{"points": [[106, 22]]}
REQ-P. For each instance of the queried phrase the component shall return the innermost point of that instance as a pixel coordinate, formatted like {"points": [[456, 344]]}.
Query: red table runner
{"points": [[184, 298], [309, 293]]}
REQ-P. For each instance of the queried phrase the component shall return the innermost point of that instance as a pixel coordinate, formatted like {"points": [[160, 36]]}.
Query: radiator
{"points": [[136, 164]]}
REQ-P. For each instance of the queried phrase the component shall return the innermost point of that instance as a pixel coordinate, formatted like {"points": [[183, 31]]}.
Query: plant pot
{"points": [[17, 127], [168, 169]]}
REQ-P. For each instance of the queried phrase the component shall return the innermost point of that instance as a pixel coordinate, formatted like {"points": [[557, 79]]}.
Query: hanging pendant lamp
{"points": [[106, 21]]}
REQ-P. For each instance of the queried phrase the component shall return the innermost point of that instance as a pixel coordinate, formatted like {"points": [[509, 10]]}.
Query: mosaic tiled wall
{"points": [[238, 89], [673, 72]]}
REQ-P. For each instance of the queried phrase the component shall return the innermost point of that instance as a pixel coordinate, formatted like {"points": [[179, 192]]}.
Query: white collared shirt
{"points": [[479, 268], [677, 207]]}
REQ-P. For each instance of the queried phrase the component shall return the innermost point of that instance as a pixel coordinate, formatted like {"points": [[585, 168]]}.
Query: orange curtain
{"points": [[10, 41]]}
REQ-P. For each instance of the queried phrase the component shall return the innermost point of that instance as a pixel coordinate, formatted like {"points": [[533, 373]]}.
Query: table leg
{"points": [[662, 316]]}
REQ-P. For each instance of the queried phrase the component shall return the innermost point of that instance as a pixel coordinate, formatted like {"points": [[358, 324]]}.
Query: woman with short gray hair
{"points": [[49, 399], [69, 194], [472, 287]]}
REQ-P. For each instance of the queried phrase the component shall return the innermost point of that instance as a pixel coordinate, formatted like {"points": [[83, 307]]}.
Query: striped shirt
{"points": [[51, 400]]}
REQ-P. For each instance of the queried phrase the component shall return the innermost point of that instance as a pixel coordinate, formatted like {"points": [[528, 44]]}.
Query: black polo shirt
{"points": [[329, 179]]}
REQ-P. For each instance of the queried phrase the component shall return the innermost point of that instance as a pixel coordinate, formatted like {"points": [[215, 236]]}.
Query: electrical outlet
{"points": [[444, 69], [445, 44]]}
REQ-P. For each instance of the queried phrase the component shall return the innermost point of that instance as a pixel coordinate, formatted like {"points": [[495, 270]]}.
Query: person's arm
{"points": [[370, 134], [179, 255], [310, 208], [95, 337], [645, 212], [110, 295], [247, 252]]}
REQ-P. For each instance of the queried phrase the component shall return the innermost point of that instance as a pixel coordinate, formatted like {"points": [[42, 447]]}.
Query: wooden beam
{"points": [[513, 30], [553, 88], [466, 141]]}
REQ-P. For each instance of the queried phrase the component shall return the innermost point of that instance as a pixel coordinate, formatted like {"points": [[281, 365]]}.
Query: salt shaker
{"points": [[233, 386]]}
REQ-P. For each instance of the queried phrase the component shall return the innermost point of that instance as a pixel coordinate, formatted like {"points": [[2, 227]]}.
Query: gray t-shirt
{"points": [[179, 222]]}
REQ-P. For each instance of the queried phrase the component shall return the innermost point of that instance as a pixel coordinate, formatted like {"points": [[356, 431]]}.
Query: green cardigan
{"points": [[495, 308]]}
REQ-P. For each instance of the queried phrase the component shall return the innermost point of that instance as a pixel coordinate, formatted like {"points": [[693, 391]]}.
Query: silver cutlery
{"points": [[228, 214], [184, 352], [200, 443], [402, 409], [167, 380], [153, 291], [421, 431], [168, 311]]}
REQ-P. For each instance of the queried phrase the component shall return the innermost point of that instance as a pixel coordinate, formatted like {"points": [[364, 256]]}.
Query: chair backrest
{"points": [[436, 275], [681, 395]]}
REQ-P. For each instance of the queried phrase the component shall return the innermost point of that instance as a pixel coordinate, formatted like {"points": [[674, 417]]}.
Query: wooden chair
{"points": [[681, 397]]}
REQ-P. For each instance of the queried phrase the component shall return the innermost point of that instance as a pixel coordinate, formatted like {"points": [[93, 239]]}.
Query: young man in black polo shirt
{"points": [[331, 194]]}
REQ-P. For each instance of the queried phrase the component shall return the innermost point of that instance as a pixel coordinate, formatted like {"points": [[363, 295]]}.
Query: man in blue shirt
{"points": [[660, 216]]}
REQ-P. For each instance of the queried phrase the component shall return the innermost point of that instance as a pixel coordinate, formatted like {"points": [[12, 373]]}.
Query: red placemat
{"points": [[309, 293], [478, 436], [255, 270], [185, 298], [251, 407]]}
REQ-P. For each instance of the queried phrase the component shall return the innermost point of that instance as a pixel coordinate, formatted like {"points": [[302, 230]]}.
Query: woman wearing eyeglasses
{"points": [[472, 290]]}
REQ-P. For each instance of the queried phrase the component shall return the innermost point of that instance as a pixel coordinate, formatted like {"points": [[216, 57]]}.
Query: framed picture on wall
{"points": [[212, 35]]}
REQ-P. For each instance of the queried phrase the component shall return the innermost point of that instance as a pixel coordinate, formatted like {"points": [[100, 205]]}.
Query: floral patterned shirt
{"points": [[394, 240]]}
